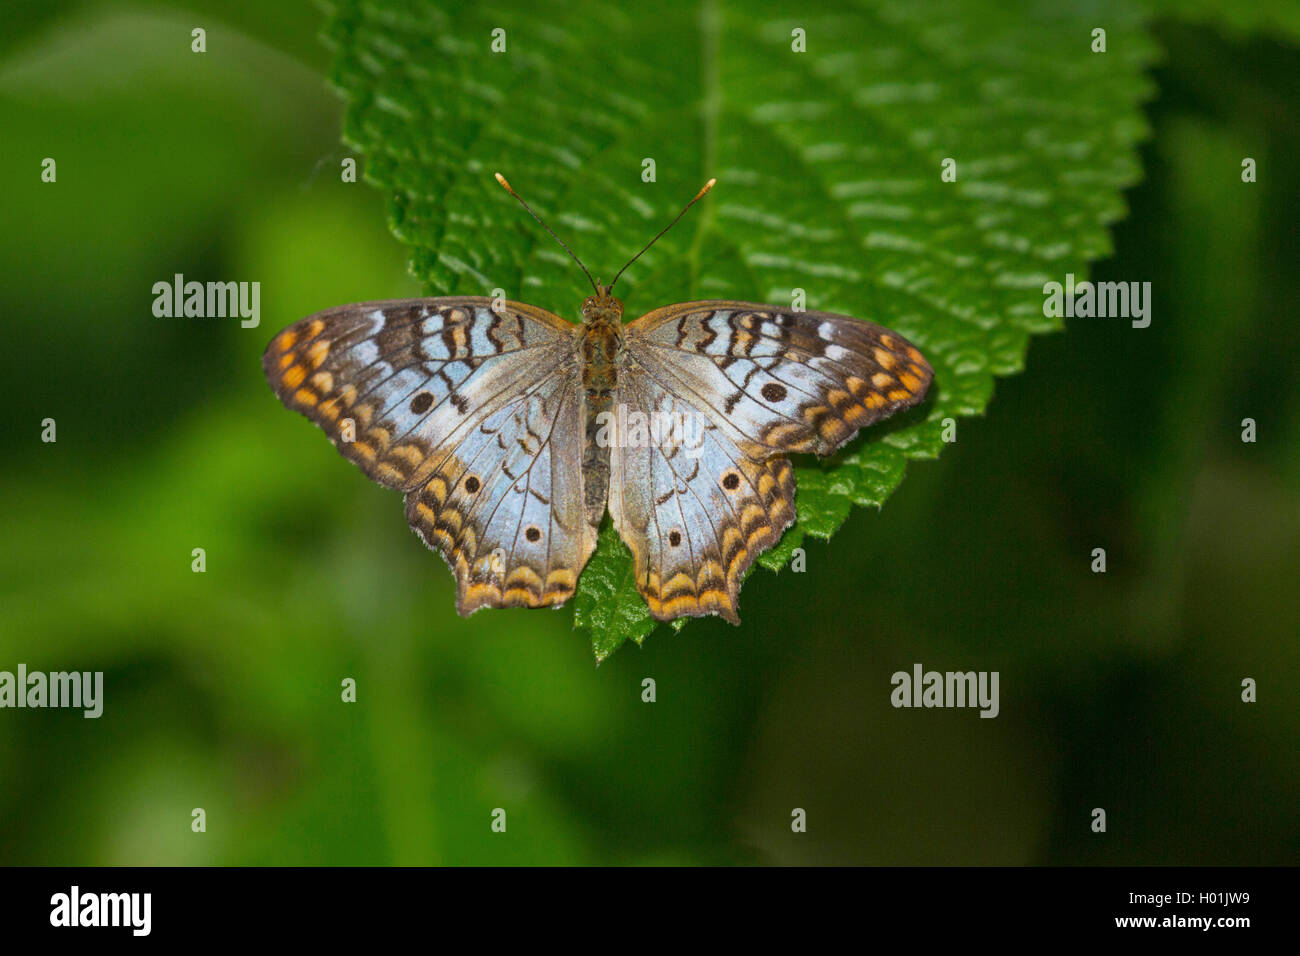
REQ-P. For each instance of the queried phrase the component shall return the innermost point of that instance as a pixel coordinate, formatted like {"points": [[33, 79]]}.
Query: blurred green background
{"points": [[223, 689]]}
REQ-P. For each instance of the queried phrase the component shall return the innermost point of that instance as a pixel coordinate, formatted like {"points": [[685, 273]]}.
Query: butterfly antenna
{"points": [[698, 196], [502, 180]]}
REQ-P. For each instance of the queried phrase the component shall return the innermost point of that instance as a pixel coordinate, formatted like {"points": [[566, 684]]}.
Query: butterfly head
{"points": [[601, 307]]}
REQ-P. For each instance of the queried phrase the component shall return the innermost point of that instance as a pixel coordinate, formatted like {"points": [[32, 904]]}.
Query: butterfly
{"points": [[512, 431]]}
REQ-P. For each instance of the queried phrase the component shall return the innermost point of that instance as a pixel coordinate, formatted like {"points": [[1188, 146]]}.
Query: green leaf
{"points": [[828, 164]]}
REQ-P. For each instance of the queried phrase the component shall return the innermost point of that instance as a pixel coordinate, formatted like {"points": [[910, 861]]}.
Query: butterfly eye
{"points": [[422, 402], [674, 538], [532, 533], [731, 481], [773, 392], [472, 484]]}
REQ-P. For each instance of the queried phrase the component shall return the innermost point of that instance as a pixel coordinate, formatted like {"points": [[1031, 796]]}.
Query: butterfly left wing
{"points": [[777, 380], [471, 407], [389, 381]]}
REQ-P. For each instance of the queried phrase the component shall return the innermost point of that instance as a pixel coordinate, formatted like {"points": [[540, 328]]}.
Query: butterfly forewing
{"points": [[779, 380], [388, 381]]}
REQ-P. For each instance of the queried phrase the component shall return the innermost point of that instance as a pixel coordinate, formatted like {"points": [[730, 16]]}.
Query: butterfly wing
{"points": [[694, 509], [504, 504], [764, 382], [389, 381], [475, 412], [778, 380]]}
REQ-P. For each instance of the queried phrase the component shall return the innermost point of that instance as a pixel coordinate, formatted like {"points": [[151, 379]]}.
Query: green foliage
{"points": [[829, 169]]}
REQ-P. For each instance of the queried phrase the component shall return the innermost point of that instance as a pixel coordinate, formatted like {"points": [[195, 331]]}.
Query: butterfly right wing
{"points": [[475, 413], [765, 382]]}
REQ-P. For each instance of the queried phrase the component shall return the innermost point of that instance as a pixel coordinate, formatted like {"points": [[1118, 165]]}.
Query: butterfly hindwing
{"points": [[779, 380], [471, 407], [504, 503], [692, 507]]}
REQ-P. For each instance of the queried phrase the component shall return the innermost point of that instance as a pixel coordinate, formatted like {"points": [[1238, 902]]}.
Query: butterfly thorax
{"points": [[602, 338]]}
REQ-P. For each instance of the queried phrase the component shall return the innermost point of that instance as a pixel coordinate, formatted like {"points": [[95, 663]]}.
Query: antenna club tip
{"points": [[707, 187], [502, 180]]}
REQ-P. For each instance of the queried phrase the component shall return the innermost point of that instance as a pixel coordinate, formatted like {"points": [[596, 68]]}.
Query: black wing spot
{"points": [[422, 403], [533, 533], [773, 392], [731, 481]]}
